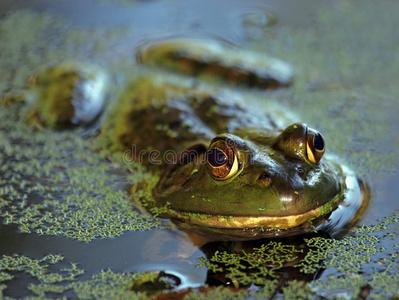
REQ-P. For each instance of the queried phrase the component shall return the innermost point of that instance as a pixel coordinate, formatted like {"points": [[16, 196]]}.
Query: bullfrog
{"points": [[227, 170], [231, 171]]}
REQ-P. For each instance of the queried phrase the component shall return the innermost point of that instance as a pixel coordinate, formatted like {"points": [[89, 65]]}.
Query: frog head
{"points": [[272, 180]]}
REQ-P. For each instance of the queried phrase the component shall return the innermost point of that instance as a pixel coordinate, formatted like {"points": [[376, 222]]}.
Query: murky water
{"points": [[242, 23]]}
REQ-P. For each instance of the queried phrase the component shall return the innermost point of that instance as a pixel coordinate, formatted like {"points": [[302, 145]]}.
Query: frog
{"points": [[228, 171]]}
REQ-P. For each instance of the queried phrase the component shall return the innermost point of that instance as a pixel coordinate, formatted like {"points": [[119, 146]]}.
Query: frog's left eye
{"points": [[222, 162], [315, 145]]}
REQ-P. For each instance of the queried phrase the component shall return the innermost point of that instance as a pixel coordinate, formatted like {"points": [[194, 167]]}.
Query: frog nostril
{"points": [[264, 180]]}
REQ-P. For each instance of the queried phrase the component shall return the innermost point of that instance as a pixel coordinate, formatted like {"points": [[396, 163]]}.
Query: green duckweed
{"points": [[349, 261], [70, 190], [104, 285]]}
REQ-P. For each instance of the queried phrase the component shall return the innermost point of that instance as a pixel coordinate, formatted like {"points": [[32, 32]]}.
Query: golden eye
{"points": [[222, 162], [315, 145]]}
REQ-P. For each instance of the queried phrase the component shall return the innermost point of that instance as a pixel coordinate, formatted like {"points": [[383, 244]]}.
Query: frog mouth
{"points": [[339, 213], [266, 222]]}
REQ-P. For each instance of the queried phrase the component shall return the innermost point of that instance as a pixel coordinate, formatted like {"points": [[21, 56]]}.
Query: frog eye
{"points": [[222, 162], [315, 145]]}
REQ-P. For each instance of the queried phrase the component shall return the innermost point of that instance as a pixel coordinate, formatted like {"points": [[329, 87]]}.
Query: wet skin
{"points": [[254, 177], [66, 95], [259, 184], [238, 173]]}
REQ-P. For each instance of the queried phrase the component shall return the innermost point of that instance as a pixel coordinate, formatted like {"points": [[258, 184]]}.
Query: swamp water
{"points": [[68, 226]]}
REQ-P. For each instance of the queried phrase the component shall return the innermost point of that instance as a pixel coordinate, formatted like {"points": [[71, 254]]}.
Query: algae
{"points": [[56, 182], [218, 293], [348, 260], [70, 190], [53, 279], [237, 266]]}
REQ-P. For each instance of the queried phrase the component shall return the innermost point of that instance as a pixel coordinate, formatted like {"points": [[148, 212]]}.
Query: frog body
{"points": [[155, 115], [230, 172], [216, 61], [66, 95]]}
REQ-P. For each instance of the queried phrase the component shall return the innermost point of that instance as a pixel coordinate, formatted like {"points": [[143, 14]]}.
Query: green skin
{"points": [[66, 95], [281, 186], [275, 181], [294, 185], [274, 176]]}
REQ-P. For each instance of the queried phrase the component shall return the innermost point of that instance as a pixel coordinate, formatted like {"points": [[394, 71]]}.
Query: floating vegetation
{"points": [[347, 261], [337, 85], [57, 183], [53, 279], [255, 266], [291, 267]]}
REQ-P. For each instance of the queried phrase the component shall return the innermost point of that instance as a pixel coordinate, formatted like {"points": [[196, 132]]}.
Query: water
{"points": [[242, 23]]}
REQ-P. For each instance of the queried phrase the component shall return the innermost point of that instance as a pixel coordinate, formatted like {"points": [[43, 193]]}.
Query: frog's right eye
{"points": [[222, 162]]}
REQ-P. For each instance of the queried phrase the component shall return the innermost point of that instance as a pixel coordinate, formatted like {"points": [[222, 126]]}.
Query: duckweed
{"points": [[69, 190], [104, 285], [37, 268], [218, 293], [237, 266], [347, 260]]}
